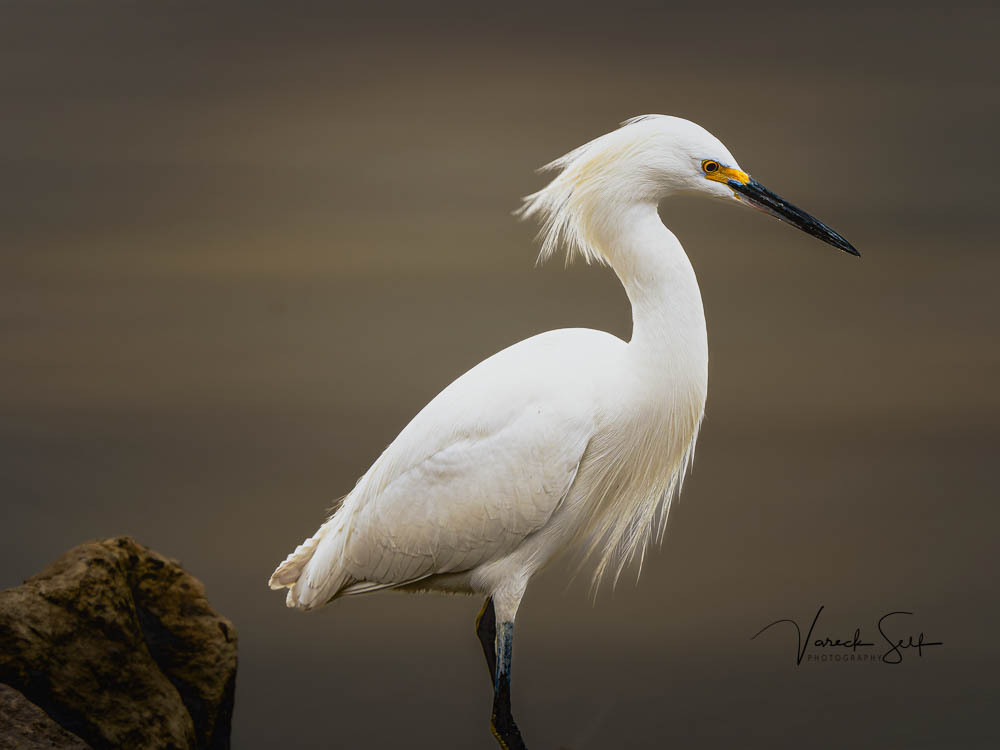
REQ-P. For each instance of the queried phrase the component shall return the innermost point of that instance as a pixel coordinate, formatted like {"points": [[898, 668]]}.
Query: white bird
{"points": [[572, 437]]}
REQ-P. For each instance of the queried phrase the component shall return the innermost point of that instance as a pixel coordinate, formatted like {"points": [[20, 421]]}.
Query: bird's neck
{"points": [[668, 320]]}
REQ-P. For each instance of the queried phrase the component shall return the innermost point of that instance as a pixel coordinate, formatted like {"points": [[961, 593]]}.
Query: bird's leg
{"points": [[502, 722], [486, 630]]}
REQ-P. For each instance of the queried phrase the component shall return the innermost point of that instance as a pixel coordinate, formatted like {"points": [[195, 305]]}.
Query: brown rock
{"points": [[119, 645], [24, 726]]}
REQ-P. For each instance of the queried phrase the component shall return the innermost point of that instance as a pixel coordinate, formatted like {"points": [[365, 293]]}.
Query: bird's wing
{"points": [[483, 466], [472, 501]]}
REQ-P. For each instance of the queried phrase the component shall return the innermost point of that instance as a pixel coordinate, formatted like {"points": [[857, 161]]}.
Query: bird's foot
{"points": [[506, 732]]}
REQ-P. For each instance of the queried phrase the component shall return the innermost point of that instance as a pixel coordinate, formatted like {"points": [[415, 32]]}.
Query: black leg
{"points": [[486, 629], [502, 721]]}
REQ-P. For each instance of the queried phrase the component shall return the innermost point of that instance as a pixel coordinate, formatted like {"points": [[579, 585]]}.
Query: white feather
{"points": [[569, 438]]}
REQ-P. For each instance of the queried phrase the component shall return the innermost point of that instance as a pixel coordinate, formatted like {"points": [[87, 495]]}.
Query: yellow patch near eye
{"points": [[725, 174]]}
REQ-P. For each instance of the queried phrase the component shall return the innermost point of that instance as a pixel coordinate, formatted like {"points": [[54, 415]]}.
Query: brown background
{"points": [[241, 247]]}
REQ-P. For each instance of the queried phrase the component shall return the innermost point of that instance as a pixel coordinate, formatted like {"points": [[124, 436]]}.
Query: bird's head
{"points": [[647, 159]]}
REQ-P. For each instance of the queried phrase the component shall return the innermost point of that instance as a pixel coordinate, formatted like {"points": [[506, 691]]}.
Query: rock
{"points": [[24, 726], [119, 645]]}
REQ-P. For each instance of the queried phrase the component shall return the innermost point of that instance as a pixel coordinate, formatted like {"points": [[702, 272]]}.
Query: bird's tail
{"points": [[313, 573]]}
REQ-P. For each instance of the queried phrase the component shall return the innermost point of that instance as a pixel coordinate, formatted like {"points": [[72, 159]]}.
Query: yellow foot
{"points": [[510, 737]]}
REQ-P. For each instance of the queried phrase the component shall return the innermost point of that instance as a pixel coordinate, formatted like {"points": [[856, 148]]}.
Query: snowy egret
{"points": [[569, 437]]}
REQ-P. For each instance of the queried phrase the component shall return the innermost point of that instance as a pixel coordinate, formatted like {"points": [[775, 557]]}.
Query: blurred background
{"points": [[243, 244]]}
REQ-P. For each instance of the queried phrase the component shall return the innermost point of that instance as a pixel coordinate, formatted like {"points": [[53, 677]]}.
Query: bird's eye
{"points": [[710, 166]]}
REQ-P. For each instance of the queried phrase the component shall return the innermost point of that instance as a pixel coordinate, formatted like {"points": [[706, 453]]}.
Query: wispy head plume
{"points": [[591, 180]]}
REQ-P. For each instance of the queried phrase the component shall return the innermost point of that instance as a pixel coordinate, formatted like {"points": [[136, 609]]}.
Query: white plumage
{"points": [[567, 436], [573, 436]]}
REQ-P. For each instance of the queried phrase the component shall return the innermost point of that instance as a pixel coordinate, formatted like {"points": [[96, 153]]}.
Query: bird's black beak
{"points": [[758, 196]]}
